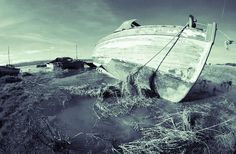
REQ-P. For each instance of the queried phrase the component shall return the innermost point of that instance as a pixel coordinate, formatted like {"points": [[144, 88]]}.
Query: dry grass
{"points": [[203, 126], [206, 126]]}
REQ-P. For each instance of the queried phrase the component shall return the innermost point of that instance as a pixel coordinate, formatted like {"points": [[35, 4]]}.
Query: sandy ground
{"points": [[83, 112]]}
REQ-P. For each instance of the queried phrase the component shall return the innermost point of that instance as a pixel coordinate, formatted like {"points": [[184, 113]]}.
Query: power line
{"points": [[8, 52], [76, 50], [223, 10]]}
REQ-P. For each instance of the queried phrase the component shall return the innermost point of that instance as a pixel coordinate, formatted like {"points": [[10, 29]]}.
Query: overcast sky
{"points": [[46, 29]]}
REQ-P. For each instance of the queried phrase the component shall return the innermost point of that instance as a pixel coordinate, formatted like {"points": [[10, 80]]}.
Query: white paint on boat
{"points": [[136, 45]]}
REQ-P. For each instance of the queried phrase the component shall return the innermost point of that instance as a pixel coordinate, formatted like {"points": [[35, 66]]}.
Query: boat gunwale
{"points": [[188, 38], [106, 38]]}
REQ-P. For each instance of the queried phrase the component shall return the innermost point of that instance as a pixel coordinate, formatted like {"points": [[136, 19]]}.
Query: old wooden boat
{"points": [[67, 63], [171, 57], [9, 70]]}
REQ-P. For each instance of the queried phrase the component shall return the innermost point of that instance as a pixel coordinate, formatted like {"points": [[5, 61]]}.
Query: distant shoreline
{"points": [[38, 62]]}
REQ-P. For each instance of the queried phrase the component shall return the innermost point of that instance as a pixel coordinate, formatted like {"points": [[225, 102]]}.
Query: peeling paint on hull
{"points": [[122, 52]]}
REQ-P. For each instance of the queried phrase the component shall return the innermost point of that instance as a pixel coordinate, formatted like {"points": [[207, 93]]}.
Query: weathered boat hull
{"points": [[67, 63], [11, 71], [122, 52]]}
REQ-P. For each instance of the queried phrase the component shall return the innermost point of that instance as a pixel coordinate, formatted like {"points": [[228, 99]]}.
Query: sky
{"points": [[46, 29]]}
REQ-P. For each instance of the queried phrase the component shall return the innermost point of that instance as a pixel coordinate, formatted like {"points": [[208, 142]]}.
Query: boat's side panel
{"points": [[177, 73], [8, 71], [181, 61]]}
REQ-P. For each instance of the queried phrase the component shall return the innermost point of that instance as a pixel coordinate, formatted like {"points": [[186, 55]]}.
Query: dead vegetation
{"points": [[206, 125], [168, 128]]}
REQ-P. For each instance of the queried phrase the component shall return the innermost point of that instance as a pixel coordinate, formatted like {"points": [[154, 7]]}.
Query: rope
{"points": [[152, 77], [177, 35], [228, 40], [224, 34]]}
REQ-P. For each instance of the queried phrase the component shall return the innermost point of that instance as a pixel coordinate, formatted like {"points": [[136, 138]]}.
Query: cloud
{"points": [[38, 50], [29, 25], [35, 25], [32, 51], [10, 22]]}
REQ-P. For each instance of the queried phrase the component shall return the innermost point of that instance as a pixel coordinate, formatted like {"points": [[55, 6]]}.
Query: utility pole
{"points": [[9, 56], [76, 49]]}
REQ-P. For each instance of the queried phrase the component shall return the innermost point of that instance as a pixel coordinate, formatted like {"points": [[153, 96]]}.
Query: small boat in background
{"points": [[67, 63], [41, 65], [171, 57], [9, 69]]}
